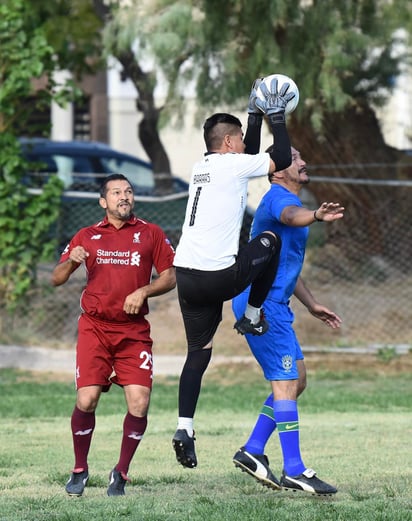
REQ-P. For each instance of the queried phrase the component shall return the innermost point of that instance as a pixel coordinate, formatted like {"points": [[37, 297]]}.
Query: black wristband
{"points": [[276, 118], [280, 150], [252, 136], [316, 219]]}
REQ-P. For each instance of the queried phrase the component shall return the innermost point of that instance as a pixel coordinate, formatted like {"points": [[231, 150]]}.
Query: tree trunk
{"points": [[147, 131]]}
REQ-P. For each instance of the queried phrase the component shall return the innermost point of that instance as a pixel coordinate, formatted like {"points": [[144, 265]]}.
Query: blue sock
{"points": [[263, 429], [287, 419]]}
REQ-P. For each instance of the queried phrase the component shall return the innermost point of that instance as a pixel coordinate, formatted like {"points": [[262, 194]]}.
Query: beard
{"points": [[125, 217], [123, 212], [304, 181]]}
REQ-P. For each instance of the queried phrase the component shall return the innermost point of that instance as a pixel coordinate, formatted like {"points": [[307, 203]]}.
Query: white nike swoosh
{"points": [[291, 426]]}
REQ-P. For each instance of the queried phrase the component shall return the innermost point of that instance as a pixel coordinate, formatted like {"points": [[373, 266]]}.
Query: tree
{"points": [[25, 220], [344, 57]]}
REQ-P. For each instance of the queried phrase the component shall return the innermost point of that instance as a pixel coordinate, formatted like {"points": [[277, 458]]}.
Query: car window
{"points": [[86, 172], [139, 175], [64, 169], [75, 172]]}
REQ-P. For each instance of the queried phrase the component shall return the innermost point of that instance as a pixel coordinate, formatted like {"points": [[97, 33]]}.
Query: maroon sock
{"points": [[133, 430], [82, 424]]}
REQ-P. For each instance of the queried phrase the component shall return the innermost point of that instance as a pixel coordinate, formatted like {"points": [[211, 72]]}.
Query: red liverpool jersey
{"points": [[119, 262]]}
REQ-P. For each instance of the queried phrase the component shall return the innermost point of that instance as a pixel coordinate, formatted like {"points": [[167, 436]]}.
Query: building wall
{"points": [[396, 116]]}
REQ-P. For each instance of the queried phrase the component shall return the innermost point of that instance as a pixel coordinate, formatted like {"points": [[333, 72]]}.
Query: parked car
{"points": [[82, 165]]}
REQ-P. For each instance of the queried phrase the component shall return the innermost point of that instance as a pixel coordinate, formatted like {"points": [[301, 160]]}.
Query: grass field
{"points": [[355, 431]]}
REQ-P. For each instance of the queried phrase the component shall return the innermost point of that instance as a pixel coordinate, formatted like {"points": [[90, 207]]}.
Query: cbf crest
{"points": [[287, 362]]}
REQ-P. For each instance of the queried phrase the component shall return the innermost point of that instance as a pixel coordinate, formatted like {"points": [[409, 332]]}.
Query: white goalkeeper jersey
{"points": [[214, 213]]}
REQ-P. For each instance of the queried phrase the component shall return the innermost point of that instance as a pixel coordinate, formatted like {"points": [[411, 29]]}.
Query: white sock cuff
{"points": [[252, 313], [185, 423]]}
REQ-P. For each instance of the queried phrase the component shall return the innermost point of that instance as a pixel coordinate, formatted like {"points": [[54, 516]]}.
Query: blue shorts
{"points": [[277, 350]]}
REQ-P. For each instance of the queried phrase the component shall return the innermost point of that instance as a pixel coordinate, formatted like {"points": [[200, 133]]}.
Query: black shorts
{"points": [[202, 293]]}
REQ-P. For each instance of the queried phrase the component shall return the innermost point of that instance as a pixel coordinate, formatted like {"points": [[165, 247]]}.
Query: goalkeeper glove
{"points": [[274, 102], [252, 108]]}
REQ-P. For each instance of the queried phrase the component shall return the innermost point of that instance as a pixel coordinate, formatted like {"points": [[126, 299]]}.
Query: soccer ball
{"points": [[293, 103]]}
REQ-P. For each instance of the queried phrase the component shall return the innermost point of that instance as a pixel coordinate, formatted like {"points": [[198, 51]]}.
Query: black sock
{"points": [[191, 380]]}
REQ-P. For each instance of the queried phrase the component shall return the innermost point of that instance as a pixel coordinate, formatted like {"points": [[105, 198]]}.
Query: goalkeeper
{"points": [[210, 268]]}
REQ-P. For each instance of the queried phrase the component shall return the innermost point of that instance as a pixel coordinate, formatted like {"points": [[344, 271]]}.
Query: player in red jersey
{"points": [[114, 343]]}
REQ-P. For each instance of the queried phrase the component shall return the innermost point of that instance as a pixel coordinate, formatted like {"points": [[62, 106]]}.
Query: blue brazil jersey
{"points": [[278, 350], [294, 238]]}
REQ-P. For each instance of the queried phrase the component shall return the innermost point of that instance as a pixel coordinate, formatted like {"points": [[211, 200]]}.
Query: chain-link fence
{"points": [[358, 266]]}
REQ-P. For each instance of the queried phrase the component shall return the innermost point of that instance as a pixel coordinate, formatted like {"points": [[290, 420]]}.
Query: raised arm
{"points": [[254, 122], [300, 216], [274, 106]]}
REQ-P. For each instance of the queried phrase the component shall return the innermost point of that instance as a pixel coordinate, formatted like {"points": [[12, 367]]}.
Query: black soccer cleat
{"points": [[116, 483], [257, 465], [77, 482], [184, 447], [244, 326], [307, 482]]}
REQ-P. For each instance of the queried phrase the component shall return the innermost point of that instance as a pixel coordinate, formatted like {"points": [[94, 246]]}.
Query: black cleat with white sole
{"points": [[184, 447], [307, 482], [257, 465]]}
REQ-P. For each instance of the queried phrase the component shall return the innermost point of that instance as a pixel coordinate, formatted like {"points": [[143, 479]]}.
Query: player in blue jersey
{"points": [[278, 351]]}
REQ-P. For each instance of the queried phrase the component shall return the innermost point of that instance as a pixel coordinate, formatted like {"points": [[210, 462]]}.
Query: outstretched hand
{"points": [[274, 102], [326, 315], [329, 212]]}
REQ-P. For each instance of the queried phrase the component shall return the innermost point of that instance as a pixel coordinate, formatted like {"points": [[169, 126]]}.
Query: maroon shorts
{"points": [[113, 353]]}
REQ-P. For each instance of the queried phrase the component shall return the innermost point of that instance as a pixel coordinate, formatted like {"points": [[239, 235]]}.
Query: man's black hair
{"points": [[211, 136], [111, 177]]}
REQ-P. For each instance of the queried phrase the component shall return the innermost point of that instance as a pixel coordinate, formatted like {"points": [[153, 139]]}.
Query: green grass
{"points": [[355, 431]]}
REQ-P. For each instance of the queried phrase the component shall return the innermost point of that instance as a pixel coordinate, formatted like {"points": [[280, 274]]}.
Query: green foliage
{"points": [[387, 353], [25, 222], [339, 53], [25, 219], [73, 29], [25, 55]]}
